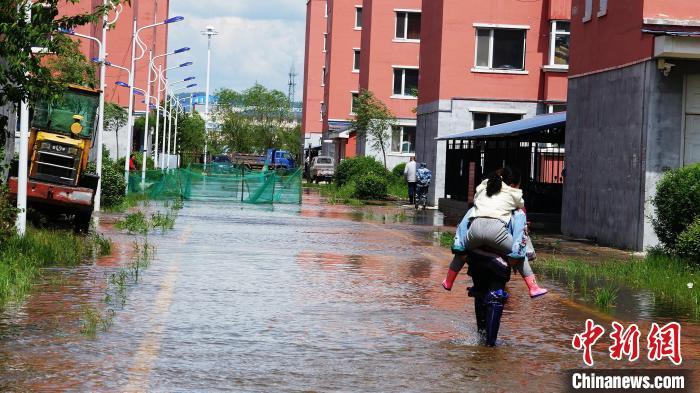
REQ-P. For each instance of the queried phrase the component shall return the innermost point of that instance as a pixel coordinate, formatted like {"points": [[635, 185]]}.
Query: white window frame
{"points": [[323, 109], [325, 42], [550, 107], [405, 25], [403, 95], [602, 8], [355, 53], [552, 44], [401, 152], [588, 10], [356, 19], [323, 76], [325, 14], [352, 101], [492, 28]]}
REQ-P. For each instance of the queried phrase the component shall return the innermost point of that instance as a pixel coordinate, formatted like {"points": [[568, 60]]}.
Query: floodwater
{"points": [[296, 298]]}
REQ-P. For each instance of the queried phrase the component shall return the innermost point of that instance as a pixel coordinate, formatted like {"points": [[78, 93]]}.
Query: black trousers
{"points": [[411, 191]]}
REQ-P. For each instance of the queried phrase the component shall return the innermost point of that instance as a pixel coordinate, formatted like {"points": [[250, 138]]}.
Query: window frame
{"points": [[358, 21], [323, 76], [587, 10], [325, 42], [553, 33], [492, 29], [405, 25], [403, 95], [602, 8], [402, 140], [356, 53], [353, 96]]}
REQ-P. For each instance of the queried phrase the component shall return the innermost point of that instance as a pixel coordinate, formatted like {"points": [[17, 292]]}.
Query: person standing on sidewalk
{"points": [[410, 174]]}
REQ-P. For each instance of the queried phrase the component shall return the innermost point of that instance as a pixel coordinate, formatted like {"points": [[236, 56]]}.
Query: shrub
{"points": [[398, 170], [8, 215], [371, 186], [677, 204], [688, 242], [353, 168], [113, 184]]}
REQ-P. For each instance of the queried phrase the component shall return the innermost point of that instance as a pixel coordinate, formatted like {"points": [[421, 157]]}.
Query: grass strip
{"points": [[670, 279]]}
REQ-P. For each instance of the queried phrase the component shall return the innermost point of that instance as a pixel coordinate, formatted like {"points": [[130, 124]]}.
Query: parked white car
{"points": [[322, 168]]}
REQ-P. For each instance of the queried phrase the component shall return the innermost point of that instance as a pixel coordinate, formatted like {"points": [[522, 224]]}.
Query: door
{"points": [[691, 137]]}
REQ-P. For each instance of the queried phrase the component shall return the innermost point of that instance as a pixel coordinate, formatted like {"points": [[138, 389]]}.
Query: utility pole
{"points": [[292, 86], [22, 173]]}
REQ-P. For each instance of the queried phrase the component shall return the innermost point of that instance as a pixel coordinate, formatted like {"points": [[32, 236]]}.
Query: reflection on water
{"points": [[296, 298]]}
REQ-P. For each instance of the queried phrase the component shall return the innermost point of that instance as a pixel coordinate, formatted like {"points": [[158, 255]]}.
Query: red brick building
{"points": [[371, 45], [486, 63], [119, 42], [314, 63], [634, 112], [119, 52]]}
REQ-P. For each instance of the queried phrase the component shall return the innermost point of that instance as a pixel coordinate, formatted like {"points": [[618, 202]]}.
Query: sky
{"points": [[259, 40]]}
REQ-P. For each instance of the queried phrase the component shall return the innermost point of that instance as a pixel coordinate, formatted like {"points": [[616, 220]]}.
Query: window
{"points": [[353, 101], [408, 25], [403, 139], [325, 13], [323, 110], [481, 119], [358, 17], [603, 8], [500, 49], [556, 108], [559, 44], [405, 82], [588, 10], [356, 60], [325, 41], [323, 77]]}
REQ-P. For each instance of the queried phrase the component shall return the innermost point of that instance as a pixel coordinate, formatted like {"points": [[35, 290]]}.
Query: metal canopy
{"points": [[513, 128]]}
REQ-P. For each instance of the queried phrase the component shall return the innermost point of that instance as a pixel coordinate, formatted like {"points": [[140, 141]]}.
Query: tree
{"points": [[115, 118], [373, 120], [254, 120], [25, 75], [72, 67], [191, 133]]}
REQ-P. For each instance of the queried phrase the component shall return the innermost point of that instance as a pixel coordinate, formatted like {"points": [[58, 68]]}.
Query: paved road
{"points": [[311, 298]]}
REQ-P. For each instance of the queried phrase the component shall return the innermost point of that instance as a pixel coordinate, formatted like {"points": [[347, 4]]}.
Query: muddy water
{"points": [[310, 298]]}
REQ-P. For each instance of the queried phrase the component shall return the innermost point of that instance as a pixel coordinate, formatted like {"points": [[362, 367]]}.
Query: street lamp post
{"points": [[162, 80], [130, 122], [173, 99], [209, 31], [22, 170], [148, 101]]}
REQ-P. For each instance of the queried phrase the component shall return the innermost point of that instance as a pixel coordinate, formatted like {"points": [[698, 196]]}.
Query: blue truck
{"points": [[274, 159]]}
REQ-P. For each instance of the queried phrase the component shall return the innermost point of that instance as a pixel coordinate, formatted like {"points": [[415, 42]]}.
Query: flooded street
{"points": [[295, 298]]}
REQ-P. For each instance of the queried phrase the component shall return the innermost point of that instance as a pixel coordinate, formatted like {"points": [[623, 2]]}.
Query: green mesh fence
{"points": [[219, 183]]}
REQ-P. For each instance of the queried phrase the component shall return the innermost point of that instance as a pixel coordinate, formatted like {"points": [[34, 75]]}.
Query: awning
{"points": [[513, 128]]}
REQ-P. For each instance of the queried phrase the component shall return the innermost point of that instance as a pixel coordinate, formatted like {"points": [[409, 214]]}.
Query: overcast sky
{"points": [[259, 40]]}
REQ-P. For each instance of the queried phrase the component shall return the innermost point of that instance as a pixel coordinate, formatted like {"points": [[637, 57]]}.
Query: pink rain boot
{"points": [[535, 290], [449, 280]]}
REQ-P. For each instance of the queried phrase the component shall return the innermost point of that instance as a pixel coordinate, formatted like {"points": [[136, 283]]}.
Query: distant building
{"points": [[314, 73], [634, 112]]}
